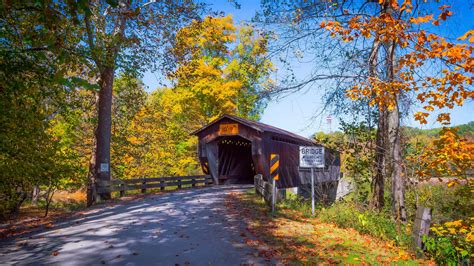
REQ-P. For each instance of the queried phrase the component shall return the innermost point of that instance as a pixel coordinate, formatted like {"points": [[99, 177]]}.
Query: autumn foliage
{"points": [[445, 90]]}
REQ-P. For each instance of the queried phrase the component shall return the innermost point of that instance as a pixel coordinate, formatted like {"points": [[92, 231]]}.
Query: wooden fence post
{"points": [[421, 227], [194, 181], [144, 185], [162, 184], [179, 183]]}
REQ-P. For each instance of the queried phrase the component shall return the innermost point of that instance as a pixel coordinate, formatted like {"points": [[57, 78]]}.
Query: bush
{"points": [[451, 239], [452, 242], [447, 203]]}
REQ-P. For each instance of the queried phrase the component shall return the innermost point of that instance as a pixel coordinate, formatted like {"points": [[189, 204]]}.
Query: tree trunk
{"points": [[102, 159], [377, 184], [393, 128], [49, 198], [380, 151], [35, 194], [398, 180], [91, 184], [91, 191]]}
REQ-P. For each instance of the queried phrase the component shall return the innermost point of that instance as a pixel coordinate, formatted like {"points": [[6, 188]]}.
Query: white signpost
{"points": [[312, 157]]}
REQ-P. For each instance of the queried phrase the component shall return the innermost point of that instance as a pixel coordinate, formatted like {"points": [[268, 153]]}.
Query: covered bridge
{"points": [[232, 150]]}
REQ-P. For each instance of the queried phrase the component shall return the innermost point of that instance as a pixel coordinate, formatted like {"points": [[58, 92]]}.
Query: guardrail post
{"points": [[274, 194], [162, 184], [144, 185], [122, 189]]}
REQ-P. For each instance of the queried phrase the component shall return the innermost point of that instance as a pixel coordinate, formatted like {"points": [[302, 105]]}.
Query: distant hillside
{"points": [[466, 130]]}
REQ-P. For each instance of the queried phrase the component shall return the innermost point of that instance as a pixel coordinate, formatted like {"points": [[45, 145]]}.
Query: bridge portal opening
{"points": [[235, 161]]}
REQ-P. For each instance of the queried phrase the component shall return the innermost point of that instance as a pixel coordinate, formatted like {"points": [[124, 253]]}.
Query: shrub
{"points": [[452, 242], [451, 239], [447, 203]]}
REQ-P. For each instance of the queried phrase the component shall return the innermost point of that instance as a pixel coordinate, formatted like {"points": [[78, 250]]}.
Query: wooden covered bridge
{"points": [[233, 150]]}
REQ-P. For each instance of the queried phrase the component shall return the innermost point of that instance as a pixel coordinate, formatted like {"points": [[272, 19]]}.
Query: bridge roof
{"points": [[258, 126]]}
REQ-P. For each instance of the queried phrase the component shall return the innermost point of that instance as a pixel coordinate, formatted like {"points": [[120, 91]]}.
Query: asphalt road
{"points": [[188, 227]]}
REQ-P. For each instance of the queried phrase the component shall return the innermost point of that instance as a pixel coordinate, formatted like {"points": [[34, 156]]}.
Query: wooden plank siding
{"points": [[143, 184]]}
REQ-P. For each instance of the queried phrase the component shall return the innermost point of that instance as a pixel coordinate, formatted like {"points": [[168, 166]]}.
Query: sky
{"points": [[299, 111]]}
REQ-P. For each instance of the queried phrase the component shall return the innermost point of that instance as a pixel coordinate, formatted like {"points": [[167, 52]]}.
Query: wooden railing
{"points": [[263, 188], [143, 184]]}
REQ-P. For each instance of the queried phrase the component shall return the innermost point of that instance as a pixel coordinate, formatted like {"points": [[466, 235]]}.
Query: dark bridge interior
{"points": [[235, 161]]}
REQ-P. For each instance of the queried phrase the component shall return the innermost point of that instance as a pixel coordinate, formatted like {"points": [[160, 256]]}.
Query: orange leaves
{"points": [[423, 19], [444, 118], [406, 6], [379, 92], [446, 12], [449, 88], [428, 108], [469, 34], [421, 117]]}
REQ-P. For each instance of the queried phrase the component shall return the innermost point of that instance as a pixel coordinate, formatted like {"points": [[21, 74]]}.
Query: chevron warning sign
{"points": [[205, 168], [274, 166]]}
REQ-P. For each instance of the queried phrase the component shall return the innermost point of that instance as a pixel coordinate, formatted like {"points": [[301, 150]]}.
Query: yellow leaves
{"points": [[133, 140], [210, 33], [448, 156], [469, 34], [428, 108], [452, 183], [461, 230]]}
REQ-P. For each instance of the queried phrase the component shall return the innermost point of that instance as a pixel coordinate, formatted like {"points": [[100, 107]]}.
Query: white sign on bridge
{"points": [[311, 157]]}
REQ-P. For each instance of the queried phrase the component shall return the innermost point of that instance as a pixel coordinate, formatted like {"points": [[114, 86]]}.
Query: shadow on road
{"points": [[185, 227]]}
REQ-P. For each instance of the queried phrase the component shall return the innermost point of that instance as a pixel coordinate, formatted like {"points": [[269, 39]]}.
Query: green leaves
{"points": [[77, 82]]}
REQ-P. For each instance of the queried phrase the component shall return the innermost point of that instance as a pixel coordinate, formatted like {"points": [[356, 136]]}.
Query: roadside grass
{"points": [[298, 238]]}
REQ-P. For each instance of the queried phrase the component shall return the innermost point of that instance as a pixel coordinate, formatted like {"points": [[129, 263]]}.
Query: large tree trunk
{"points": [[393, 127], [377, 184], [104, 126], [106, 64]]}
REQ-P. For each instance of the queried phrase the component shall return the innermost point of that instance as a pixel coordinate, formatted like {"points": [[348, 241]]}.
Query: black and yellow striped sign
{"points": [[274, 166], [205, 168]]}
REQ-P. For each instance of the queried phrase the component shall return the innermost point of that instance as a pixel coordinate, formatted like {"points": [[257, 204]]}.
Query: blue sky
{"points": [[297, 112]]}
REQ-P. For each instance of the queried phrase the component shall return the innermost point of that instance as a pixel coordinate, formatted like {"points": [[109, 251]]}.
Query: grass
{"points": [[300, 239]]}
